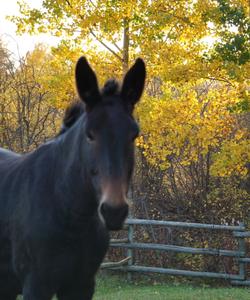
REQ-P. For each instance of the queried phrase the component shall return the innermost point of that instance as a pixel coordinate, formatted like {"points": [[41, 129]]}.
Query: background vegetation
{"points": [[193, 154]]}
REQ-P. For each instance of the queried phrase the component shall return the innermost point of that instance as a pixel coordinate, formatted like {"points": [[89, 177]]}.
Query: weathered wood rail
{"points": [[239, 233]]}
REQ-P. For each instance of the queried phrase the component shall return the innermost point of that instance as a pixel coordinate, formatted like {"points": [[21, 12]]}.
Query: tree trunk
{"points": [[125, 55]]}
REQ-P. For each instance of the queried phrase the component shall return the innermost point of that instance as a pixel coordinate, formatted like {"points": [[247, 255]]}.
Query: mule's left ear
{"points": [[133, 83], [86, 83]]}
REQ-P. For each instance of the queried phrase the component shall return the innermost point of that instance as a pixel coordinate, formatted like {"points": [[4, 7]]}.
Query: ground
{"points": [[113, 287]]}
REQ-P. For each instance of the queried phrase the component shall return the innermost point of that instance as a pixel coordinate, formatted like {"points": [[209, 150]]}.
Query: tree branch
{"points": [[219, 79], [105, 45], [96, 37]]}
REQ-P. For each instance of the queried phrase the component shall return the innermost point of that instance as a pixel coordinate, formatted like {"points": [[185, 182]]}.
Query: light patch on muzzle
{"points": [[114, 193]]}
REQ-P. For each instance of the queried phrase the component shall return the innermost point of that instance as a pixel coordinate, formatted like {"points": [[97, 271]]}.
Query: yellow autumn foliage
{"points": [[189, 122], [191, 105]]}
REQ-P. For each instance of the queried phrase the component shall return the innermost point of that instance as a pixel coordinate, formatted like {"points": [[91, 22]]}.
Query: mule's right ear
{"points": [[86, 83]]}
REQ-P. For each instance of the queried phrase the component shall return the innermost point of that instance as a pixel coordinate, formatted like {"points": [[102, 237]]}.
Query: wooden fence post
{"points": [[242, 248], [130, 250]]}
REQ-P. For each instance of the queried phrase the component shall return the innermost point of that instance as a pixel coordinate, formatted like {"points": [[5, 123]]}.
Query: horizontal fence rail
{"points": [[180, 249], [184, 224], [179, 272], [245, 234], [239, 232]]}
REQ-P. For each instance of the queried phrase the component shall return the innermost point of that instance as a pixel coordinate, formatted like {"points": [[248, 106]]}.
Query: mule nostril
{"points": [[114, 216]]}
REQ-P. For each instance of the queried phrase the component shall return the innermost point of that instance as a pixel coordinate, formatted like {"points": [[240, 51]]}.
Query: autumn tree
{"points": [[5, 66], [28, 116], [123, 28]]}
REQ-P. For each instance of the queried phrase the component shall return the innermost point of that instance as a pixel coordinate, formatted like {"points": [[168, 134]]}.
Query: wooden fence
{"points": [[239, 233]]}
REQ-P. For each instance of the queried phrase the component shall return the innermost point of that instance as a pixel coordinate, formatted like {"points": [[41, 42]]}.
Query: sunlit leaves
{"points": [[195, 90], [189, 122]]}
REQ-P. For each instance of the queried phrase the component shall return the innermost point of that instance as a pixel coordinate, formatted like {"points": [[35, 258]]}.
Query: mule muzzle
{"points": [[114, 216]]}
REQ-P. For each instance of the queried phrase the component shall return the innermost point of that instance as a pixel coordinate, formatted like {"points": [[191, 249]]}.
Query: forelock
{"points": [[110, 88], [73, 113]]}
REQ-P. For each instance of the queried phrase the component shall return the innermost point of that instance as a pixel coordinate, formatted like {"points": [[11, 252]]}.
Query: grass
{"points": [[117, 288], [111, 287]]}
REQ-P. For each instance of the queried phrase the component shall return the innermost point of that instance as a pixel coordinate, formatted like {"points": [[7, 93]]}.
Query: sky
{"points": [[19, 45]]}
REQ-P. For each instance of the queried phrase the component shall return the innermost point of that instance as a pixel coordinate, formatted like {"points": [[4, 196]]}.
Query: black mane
{"points": [[111, 88], [72, 114]]}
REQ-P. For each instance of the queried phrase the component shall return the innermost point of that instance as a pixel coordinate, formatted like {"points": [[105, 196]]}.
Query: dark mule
{"points": [[58, 203], [8, 279]]}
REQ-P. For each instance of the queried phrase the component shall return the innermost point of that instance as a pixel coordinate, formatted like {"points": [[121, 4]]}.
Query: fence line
{"points": [[239, 233], [239, 227]]}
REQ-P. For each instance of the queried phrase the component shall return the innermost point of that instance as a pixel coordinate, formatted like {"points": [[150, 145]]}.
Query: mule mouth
{"points": [[114, 216]]}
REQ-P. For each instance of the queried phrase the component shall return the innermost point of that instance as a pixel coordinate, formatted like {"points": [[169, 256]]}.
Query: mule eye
{"points": [[90, 136]]}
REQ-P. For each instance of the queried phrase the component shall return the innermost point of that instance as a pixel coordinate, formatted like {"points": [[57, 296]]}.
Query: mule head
{"points": [[110, 131]]}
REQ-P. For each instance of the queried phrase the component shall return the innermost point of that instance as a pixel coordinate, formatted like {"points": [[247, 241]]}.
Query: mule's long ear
{"points": [[86, 83], [133, 83]]}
